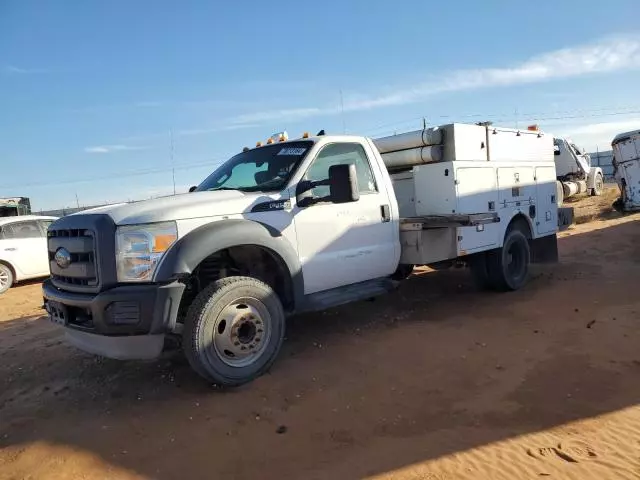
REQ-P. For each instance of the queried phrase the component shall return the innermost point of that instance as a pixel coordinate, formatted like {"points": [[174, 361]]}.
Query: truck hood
{"points": [[182, 206]]}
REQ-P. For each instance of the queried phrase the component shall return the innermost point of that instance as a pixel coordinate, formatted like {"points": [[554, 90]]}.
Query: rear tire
{"points": [[6, 278], [234, 330], [508, 267], [598, 188]]}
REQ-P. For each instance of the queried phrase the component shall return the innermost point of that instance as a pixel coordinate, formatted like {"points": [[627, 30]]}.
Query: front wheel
{"points": [[6, 278], [234, 330], [508, 267], [559, 193], [598, 187]]}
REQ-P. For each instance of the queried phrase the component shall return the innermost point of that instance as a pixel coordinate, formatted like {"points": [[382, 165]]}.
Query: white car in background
{"points": [[23, 249]]}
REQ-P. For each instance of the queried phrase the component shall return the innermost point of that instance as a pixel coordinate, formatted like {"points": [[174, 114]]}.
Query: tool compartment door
{"points": [[546, 218], [517, 186], [476, 192]]}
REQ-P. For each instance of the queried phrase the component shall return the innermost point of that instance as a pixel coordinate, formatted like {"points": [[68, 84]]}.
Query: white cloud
{"points": [[609, 54], [598, 135], [250, 119], [112, 148], [15, 70], [606, 55], [148, 104], [225, 128]]}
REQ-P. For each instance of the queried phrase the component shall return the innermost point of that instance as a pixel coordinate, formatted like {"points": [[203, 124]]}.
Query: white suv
{"points": [[23, 249]]}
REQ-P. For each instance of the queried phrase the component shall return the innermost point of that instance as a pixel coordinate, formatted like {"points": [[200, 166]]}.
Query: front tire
{"points": [[6, 278], [234, 330], [559, 193], [508, 267], [598, 187]]}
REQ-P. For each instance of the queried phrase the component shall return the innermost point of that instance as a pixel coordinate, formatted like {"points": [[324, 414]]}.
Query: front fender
{"points": [[591, 176], [189, 251]]}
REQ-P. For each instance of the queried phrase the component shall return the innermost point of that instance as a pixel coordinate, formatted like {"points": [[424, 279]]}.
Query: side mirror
{"points": [[192, 189], [343, 183]]}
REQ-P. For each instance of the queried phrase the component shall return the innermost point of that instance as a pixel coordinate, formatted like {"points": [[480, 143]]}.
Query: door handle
{"points": [[386, 215]]}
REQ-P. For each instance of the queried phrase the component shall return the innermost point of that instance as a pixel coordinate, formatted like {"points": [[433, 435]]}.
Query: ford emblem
{"points": [[62, 257]]}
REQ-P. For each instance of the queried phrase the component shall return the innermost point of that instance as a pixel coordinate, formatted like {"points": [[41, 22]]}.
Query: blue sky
{"points": [[91, 91]]}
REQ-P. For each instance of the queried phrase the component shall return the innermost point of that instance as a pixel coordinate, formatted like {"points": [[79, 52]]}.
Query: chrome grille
{"points": [[80, 243]]}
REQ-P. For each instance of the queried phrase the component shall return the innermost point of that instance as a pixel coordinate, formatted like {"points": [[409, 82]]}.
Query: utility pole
{"points": [[344, 125], [77, 201], [173, 168]]}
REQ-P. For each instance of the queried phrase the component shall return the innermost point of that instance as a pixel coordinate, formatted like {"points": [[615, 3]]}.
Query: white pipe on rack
{"points": [[404, 141], [413, 156]]}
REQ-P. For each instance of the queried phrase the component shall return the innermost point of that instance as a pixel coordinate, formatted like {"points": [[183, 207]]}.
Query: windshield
{"points": [[262, 169]]}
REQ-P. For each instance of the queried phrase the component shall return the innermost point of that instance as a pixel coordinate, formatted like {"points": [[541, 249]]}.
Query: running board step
{"points": [[347, 294]]}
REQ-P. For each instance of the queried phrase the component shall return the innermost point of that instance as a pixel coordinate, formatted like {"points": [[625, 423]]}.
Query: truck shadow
{"points": [[431, 369]]}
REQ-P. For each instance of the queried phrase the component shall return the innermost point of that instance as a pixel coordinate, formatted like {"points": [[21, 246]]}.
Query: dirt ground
{"points": [[434, 381]]}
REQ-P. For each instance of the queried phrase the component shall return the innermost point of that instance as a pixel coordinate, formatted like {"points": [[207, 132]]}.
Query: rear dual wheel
{"points": [[506, 268]]}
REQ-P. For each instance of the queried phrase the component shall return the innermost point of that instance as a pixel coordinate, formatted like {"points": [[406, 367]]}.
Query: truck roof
{"points": [[624, 136]]}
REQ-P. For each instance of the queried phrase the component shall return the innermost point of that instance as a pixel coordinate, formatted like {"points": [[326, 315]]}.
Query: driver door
{"points": [[342, 244]]}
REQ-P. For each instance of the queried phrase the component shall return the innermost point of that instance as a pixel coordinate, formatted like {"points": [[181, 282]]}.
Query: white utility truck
{"points": [[626, 168], [573, 169], [296, 225]]}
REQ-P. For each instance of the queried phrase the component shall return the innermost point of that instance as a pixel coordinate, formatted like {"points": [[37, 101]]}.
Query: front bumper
{"points": [[122, 322]]}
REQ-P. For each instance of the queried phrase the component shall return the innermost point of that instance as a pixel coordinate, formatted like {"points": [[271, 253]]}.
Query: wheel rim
{"points": [[4, 279], [241, 332], [515, 261]]}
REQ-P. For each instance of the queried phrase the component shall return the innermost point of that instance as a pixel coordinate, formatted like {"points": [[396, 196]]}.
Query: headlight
{"points": [[139, 248]]}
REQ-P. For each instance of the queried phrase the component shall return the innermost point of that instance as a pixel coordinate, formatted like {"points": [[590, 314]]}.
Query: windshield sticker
{"points": [[292, 151]]}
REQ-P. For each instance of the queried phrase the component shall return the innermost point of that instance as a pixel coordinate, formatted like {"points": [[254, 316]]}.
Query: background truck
{"points": [[574, 170], [626, 168], [299, 225], [14, 206]]}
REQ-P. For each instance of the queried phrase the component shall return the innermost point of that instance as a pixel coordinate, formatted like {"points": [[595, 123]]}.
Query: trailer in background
{"points": [[14, 206], [626, 168]]}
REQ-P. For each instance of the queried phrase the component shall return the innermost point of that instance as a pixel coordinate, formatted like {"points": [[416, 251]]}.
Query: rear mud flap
{"points": [[544, 249], [565, 217]]}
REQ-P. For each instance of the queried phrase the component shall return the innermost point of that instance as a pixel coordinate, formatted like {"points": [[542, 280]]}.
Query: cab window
{"points": [[337, 154]]}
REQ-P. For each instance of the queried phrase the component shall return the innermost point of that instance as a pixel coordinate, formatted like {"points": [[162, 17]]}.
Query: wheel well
{"points": [[520, 222], [244, 260], [13, 270]]}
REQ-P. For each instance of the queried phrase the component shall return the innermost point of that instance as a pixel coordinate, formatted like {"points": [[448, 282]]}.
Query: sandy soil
{"points": [[587, 208], [434, 381]]}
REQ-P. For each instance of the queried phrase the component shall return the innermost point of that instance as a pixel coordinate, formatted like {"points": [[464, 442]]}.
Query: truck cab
{"points": [[574, 170]]}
